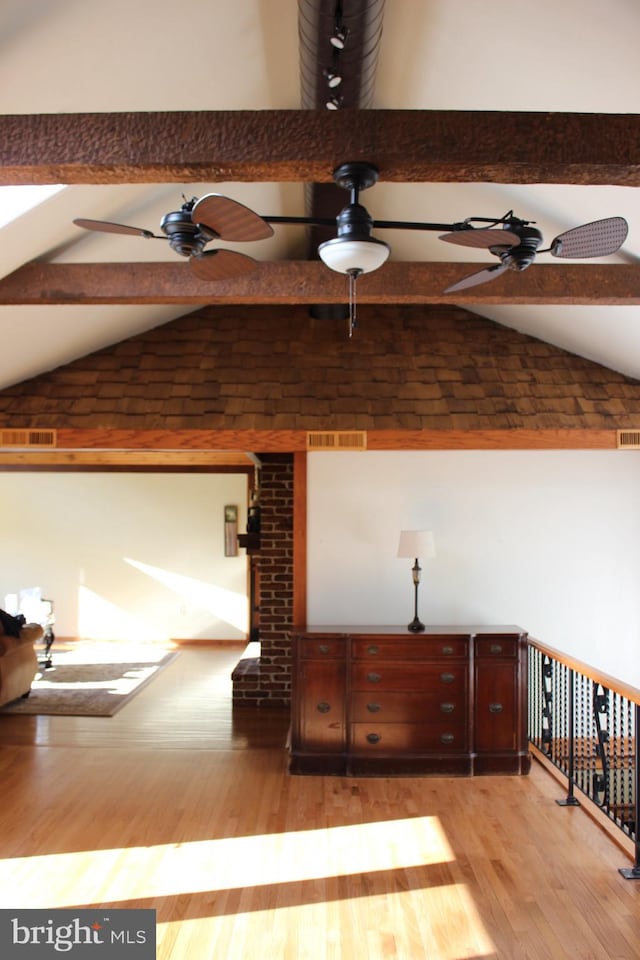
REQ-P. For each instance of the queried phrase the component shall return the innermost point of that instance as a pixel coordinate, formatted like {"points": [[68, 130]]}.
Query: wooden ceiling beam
{"points": [[310, 282], [306, 145], [81, 447]]}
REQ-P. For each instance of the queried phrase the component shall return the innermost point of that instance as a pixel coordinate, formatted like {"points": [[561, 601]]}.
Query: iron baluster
{"points": [[629, 767], [601, 785], [547, 696], [583, 739], [570, 800]]}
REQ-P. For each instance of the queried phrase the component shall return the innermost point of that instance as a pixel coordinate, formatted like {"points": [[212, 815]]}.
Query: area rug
{"points": [[90, 683]]}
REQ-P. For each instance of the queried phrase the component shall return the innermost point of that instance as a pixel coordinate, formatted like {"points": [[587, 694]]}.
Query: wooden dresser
{"points": [[380, 701]]}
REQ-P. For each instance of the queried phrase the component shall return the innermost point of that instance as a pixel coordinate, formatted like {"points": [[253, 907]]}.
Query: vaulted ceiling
{"points": [[467, 109]]}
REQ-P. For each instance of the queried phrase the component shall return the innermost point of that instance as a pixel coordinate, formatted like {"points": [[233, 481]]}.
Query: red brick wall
{"points": [[266, 680]]}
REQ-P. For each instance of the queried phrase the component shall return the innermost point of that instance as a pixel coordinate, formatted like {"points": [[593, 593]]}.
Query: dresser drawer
{"points": [[495, 648], [429, 648], [387, 706], [321, 648], [430, 677], [398, 738]]}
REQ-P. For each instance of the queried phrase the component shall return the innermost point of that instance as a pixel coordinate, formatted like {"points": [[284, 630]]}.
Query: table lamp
{"points": [[416, 544]]}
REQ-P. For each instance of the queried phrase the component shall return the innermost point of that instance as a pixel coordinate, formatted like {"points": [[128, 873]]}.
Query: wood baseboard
{"points": [[189, 642]]}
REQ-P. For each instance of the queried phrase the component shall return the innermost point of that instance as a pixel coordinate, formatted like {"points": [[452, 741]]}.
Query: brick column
{"points": [[265, 680]]}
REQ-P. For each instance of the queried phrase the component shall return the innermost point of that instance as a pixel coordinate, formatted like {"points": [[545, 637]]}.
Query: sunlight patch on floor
{"points": [[438, 923], [238, 862], [278, 884], [118, 686], [111, 651]]}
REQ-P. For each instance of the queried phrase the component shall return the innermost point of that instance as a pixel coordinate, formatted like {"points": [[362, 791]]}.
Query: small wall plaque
{"points": [[231, 531]]}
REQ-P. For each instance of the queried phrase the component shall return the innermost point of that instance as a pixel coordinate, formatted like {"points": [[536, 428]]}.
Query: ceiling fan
{"points": [[196, 224], [513, 241]]}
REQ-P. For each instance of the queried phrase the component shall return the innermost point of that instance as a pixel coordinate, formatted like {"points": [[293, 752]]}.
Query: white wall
{"points": [[127, 554], [548, 540]]}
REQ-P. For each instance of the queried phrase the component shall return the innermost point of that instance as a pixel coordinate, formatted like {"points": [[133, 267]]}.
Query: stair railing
{"points": [[584, 723]]}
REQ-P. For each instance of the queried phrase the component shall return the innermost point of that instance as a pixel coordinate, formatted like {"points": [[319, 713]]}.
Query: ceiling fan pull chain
{"points": [[353, 276]]}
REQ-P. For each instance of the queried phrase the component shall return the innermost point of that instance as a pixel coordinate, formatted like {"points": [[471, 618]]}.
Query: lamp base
{"points": [[415, 626]]}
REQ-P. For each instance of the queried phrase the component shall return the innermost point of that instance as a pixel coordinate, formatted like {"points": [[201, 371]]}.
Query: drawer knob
{"points": [[373, 737], [323, 648], [374, 677], [495, 648], [447, 677], [372, 648], [447, 738], [495, 708], [447, 707], [448, 650], [373, 707], [323, 707]]}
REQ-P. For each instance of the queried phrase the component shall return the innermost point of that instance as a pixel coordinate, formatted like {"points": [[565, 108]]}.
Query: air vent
{"points": [[28, 438], [629, 439], [337, 440]]}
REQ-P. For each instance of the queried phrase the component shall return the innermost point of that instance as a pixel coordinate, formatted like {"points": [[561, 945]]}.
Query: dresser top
{"points": [[430, 630]]}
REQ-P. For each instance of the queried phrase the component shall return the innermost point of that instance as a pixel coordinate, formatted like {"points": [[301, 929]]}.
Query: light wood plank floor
{"points": [[180, 804]]}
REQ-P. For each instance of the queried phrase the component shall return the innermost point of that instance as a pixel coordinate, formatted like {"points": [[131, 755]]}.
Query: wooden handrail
{"points": [[611, 683]]}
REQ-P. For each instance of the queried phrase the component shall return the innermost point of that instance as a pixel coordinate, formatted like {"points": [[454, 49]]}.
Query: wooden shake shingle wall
{"points": [[274, 368]]}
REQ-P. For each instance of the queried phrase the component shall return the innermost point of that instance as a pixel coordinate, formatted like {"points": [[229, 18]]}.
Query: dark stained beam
{"points": [[355, 64], [306, 145], [305, 282]]}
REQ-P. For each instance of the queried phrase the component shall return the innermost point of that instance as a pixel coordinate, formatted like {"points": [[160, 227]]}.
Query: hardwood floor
{"points": [[180, 804]]}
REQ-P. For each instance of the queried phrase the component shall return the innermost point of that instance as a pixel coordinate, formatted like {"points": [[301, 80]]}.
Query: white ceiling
{"points": [[60, 56]]}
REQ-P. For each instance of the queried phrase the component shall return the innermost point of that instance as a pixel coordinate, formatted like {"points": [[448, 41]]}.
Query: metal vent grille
{"points": [[337, 440], [628, 439], [28, 438]]}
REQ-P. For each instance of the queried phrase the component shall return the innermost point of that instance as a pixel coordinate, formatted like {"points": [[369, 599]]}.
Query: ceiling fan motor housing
{"points": [[185, 237], [523, 255], [354, 222]]}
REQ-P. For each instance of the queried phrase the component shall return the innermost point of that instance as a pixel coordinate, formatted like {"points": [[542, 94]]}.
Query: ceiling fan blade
{"points": [[221, 265], [474, 279], [229, 219], [597, 239], [104, 226], [483, 237]]}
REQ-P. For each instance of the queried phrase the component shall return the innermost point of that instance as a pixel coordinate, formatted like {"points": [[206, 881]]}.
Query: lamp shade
{"points": [[416, 544], [353, 256]]}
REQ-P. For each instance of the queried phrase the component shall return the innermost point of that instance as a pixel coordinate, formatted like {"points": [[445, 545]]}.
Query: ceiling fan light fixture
{"points": [[354, 251], [354, 256]]}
